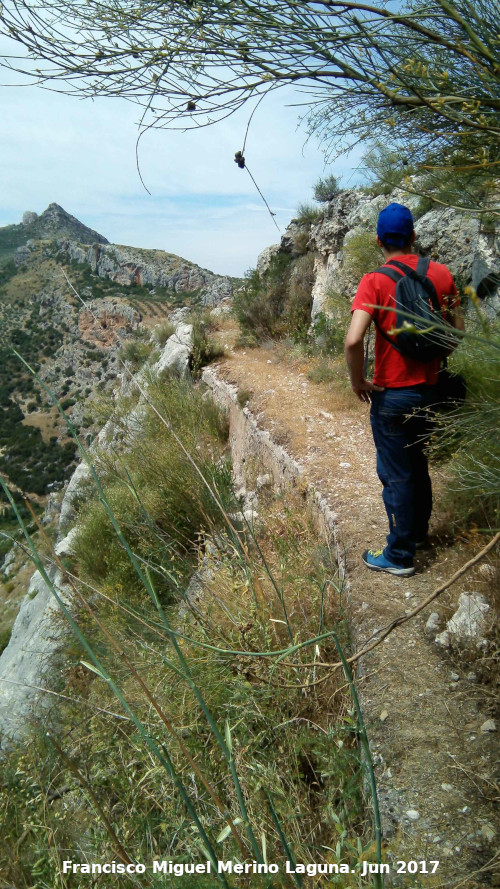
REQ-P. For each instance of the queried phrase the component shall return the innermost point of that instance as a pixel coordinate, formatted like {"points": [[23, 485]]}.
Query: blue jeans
{"points": [[400, 436]]}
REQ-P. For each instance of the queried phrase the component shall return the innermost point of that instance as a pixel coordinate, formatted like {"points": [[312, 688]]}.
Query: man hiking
{"points": [[402, 388]]}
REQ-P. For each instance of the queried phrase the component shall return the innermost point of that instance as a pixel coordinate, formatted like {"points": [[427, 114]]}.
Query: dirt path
{"points": [[434, 765]]}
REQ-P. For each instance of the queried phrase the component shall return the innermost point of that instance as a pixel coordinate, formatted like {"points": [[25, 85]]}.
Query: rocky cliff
{"points": [[154, 268], [469, 247]]}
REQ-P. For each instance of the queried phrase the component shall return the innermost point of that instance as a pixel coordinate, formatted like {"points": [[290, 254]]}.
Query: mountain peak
{"points": [[56, 222]]}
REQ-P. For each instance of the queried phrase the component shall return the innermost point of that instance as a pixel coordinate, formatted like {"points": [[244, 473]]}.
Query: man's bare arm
{"points": [[354, 353]]}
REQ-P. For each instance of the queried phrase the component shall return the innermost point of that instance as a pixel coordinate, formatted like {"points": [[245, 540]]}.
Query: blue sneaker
{"points": [[376, 560]]}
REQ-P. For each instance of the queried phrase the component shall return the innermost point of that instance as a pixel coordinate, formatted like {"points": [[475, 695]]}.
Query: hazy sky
{"points": [[81, 154]]}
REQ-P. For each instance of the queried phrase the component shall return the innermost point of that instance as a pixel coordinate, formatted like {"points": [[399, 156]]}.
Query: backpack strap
{"points": [[420, 271], [390, 273]]}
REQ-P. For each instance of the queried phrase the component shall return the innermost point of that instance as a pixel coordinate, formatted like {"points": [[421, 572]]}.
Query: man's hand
{"points": [[364, 388]]}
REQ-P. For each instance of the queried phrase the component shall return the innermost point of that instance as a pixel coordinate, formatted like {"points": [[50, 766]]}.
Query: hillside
{"points": [[68, 301]]}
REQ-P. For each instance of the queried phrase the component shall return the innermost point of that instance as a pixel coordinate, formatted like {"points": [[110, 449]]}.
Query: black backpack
{"points": [[416, 304]]}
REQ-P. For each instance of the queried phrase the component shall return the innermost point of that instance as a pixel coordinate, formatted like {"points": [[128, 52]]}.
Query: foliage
{"points": [[244, 396], [385, 168], [423, 77], [156, 493], [326, 189], [162, 332], [295, 752], [322, 372], [11, 237], [259, 305], [136, 352], [204, 349], [468, 437], [307, 214], [277, 302], [190, 726], [25, 458], [4, 638], [7, 271], [297, 311], [328, 333], [361, 254]]}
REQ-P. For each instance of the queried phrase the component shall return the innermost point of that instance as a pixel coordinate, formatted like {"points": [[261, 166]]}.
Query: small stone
{"points": [[412, 814], [383, 716], [443, 639], [469, 620], [454, 677], [489, 726], [487, 571], [488, 832], [472, 677], [433, 624], [447, 787], [263, 481], [250, 515], [436, 840]]}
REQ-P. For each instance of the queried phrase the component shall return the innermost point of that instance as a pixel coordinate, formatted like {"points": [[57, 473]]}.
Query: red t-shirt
{"points": [[393, 370]]}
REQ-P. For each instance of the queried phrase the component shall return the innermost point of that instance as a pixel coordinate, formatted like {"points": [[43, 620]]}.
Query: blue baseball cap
{"points": [[395, 225]]}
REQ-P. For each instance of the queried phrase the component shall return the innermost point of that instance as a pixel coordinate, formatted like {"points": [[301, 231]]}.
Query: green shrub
{"points": [[299, 300], [7, 271], [361, 254], [243, 397], [260, 304], [163, 332], [136, 352], [326, 189], [385, 169], [308, 215], [323, 372], [204, 349], [468, 437], [328, 334], [156, 494]]}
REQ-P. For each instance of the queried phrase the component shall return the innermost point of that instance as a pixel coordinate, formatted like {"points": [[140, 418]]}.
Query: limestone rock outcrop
{"points": [[470, 248], [176, 352], [154, 268], [29, 657]]}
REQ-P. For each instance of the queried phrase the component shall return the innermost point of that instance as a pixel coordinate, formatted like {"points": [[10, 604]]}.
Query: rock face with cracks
{"points": [[444, 234]]}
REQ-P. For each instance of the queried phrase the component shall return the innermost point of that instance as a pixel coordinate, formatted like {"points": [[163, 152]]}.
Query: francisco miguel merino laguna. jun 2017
{"points": [[179, 869]]}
